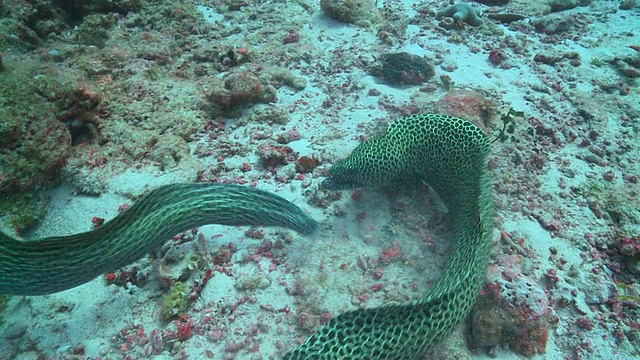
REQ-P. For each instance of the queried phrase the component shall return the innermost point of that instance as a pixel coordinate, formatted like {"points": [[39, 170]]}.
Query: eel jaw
{"points": [[331, 184], [344, 176]]}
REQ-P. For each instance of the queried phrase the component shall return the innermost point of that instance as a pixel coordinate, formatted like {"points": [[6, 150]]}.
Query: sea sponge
{"points": [[306, 164], [175, 302], [403, 68]]}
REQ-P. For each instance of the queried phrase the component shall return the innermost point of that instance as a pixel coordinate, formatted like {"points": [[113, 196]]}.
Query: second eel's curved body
{"points": [[48, 265], [450, 154]]}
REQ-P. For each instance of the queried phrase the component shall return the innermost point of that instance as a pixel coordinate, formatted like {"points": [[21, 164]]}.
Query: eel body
{"points": [[48, 265], [450, 154]]}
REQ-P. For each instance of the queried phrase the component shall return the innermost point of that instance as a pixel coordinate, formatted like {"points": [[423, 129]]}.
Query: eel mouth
{"points": [[332, 184]]}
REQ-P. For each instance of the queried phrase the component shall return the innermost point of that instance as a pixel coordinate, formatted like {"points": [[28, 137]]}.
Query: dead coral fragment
{"points": [[554, 24], [560, 5], [240, 89], [94, 29], [494, 2], [272, 154], [403, 68], [627, 65], [359, 12], [627, 5], [286, 77], [506, 18], [253, 282], [552, 59], [43, 113]]}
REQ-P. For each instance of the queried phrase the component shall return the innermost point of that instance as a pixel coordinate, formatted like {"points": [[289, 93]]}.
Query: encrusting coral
{"points": [[461, 12]]}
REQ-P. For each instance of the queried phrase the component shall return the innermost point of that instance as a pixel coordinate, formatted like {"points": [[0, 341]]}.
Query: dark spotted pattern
{"points": [[48, 265], [450, 155]]}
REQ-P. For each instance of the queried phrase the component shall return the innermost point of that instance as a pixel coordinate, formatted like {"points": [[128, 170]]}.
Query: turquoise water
{"points": [[103, 101]]}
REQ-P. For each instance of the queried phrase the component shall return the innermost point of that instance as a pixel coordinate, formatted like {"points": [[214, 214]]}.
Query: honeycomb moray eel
{"points": [[48, 265], [450, 154]]}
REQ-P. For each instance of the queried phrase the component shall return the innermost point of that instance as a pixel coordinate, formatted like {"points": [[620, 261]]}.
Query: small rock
{"points": [[449, 66], [598, 289], [15, 331]]}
